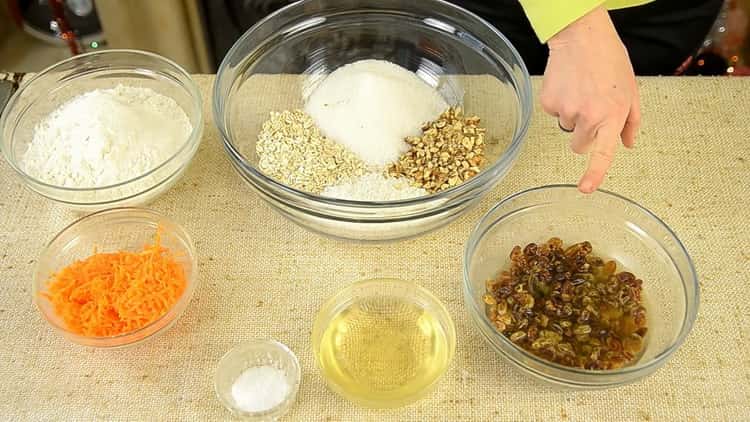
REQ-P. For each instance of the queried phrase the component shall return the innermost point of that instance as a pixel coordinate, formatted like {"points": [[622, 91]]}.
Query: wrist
{"points": [[591, 23]]}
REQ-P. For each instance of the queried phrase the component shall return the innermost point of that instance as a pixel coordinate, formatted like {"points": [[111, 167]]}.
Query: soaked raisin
{"points": [[569, 306]]}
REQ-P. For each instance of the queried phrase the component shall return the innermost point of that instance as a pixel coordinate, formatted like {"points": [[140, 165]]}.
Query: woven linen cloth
{"points": [[263, 277]]}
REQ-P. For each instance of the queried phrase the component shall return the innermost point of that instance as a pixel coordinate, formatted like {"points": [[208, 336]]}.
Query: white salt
{"points": [[370, 106], [374, 187], [260, 388]]}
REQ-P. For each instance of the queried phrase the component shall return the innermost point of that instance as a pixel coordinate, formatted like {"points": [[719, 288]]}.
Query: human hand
{"points": [[590, 86]]}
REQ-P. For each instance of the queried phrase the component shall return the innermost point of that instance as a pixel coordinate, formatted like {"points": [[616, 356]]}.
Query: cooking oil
{"points": [[384, 351]]}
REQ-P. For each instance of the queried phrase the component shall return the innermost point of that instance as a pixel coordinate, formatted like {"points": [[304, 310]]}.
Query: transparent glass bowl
{"points": [[46, 91], [251, 354], [618, 229], [280, 60], [383, 298], [126, 229]]}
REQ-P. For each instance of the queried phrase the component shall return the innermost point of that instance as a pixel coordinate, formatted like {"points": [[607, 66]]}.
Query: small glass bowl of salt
{"points": [[258, 380]]}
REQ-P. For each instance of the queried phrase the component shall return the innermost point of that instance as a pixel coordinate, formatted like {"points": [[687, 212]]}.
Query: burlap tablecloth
{"points": [[261, 276]]}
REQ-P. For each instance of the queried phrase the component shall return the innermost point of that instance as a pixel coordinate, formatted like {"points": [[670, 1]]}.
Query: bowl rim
{"points": [[504, 343], [286, 404], [191, 87], [172, 315], [333, 305], [487, 176]]}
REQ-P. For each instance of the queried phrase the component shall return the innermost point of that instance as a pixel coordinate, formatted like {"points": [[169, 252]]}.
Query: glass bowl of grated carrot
{"points": [[116, 277]]}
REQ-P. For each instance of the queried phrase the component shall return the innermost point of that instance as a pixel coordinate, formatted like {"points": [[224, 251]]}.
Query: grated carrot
{"points": [[108, 294]]}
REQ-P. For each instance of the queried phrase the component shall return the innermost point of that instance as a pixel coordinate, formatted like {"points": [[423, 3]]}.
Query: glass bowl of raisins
{"points": [[582, 291]]}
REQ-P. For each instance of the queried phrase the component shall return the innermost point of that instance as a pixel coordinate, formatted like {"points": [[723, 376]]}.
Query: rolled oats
{"points": [[292, 150]]}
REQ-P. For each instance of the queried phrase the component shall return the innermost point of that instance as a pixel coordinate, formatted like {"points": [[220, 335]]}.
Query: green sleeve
{"points": [[548, 17]]}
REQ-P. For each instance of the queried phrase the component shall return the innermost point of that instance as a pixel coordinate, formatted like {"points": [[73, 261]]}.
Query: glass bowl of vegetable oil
{"points": [[383, 343]]}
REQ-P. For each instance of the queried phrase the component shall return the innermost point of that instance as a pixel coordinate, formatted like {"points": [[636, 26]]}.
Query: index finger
{"points": [[600, 159]]}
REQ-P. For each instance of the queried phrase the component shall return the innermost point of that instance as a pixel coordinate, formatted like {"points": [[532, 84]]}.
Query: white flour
{"points": [[370, 106], [106, 136], [374, 187]]}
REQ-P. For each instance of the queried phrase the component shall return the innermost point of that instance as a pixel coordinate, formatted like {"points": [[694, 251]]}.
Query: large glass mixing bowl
{"points": [[280, 60]]}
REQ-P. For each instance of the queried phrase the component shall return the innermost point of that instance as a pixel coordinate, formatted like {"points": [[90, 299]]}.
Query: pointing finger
{"points": [[600, 159]]}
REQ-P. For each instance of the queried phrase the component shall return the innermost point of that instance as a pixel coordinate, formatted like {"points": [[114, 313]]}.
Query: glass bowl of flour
{"points": [[319, 77], [104, 129]]}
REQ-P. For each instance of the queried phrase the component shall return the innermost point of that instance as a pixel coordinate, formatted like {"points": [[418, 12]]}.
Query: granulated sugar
{"points": [[371, 106], [106, 136], [374, 187]]}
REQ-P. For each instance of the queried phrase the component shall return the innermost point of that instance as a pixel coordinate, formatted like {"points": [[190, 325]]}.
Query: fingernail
{"points": [[586, 186]]}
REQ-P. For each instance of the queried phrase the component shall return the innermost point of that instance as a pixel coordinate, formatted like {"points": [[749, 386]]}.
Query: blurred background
{"points": [[197, 33]]}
